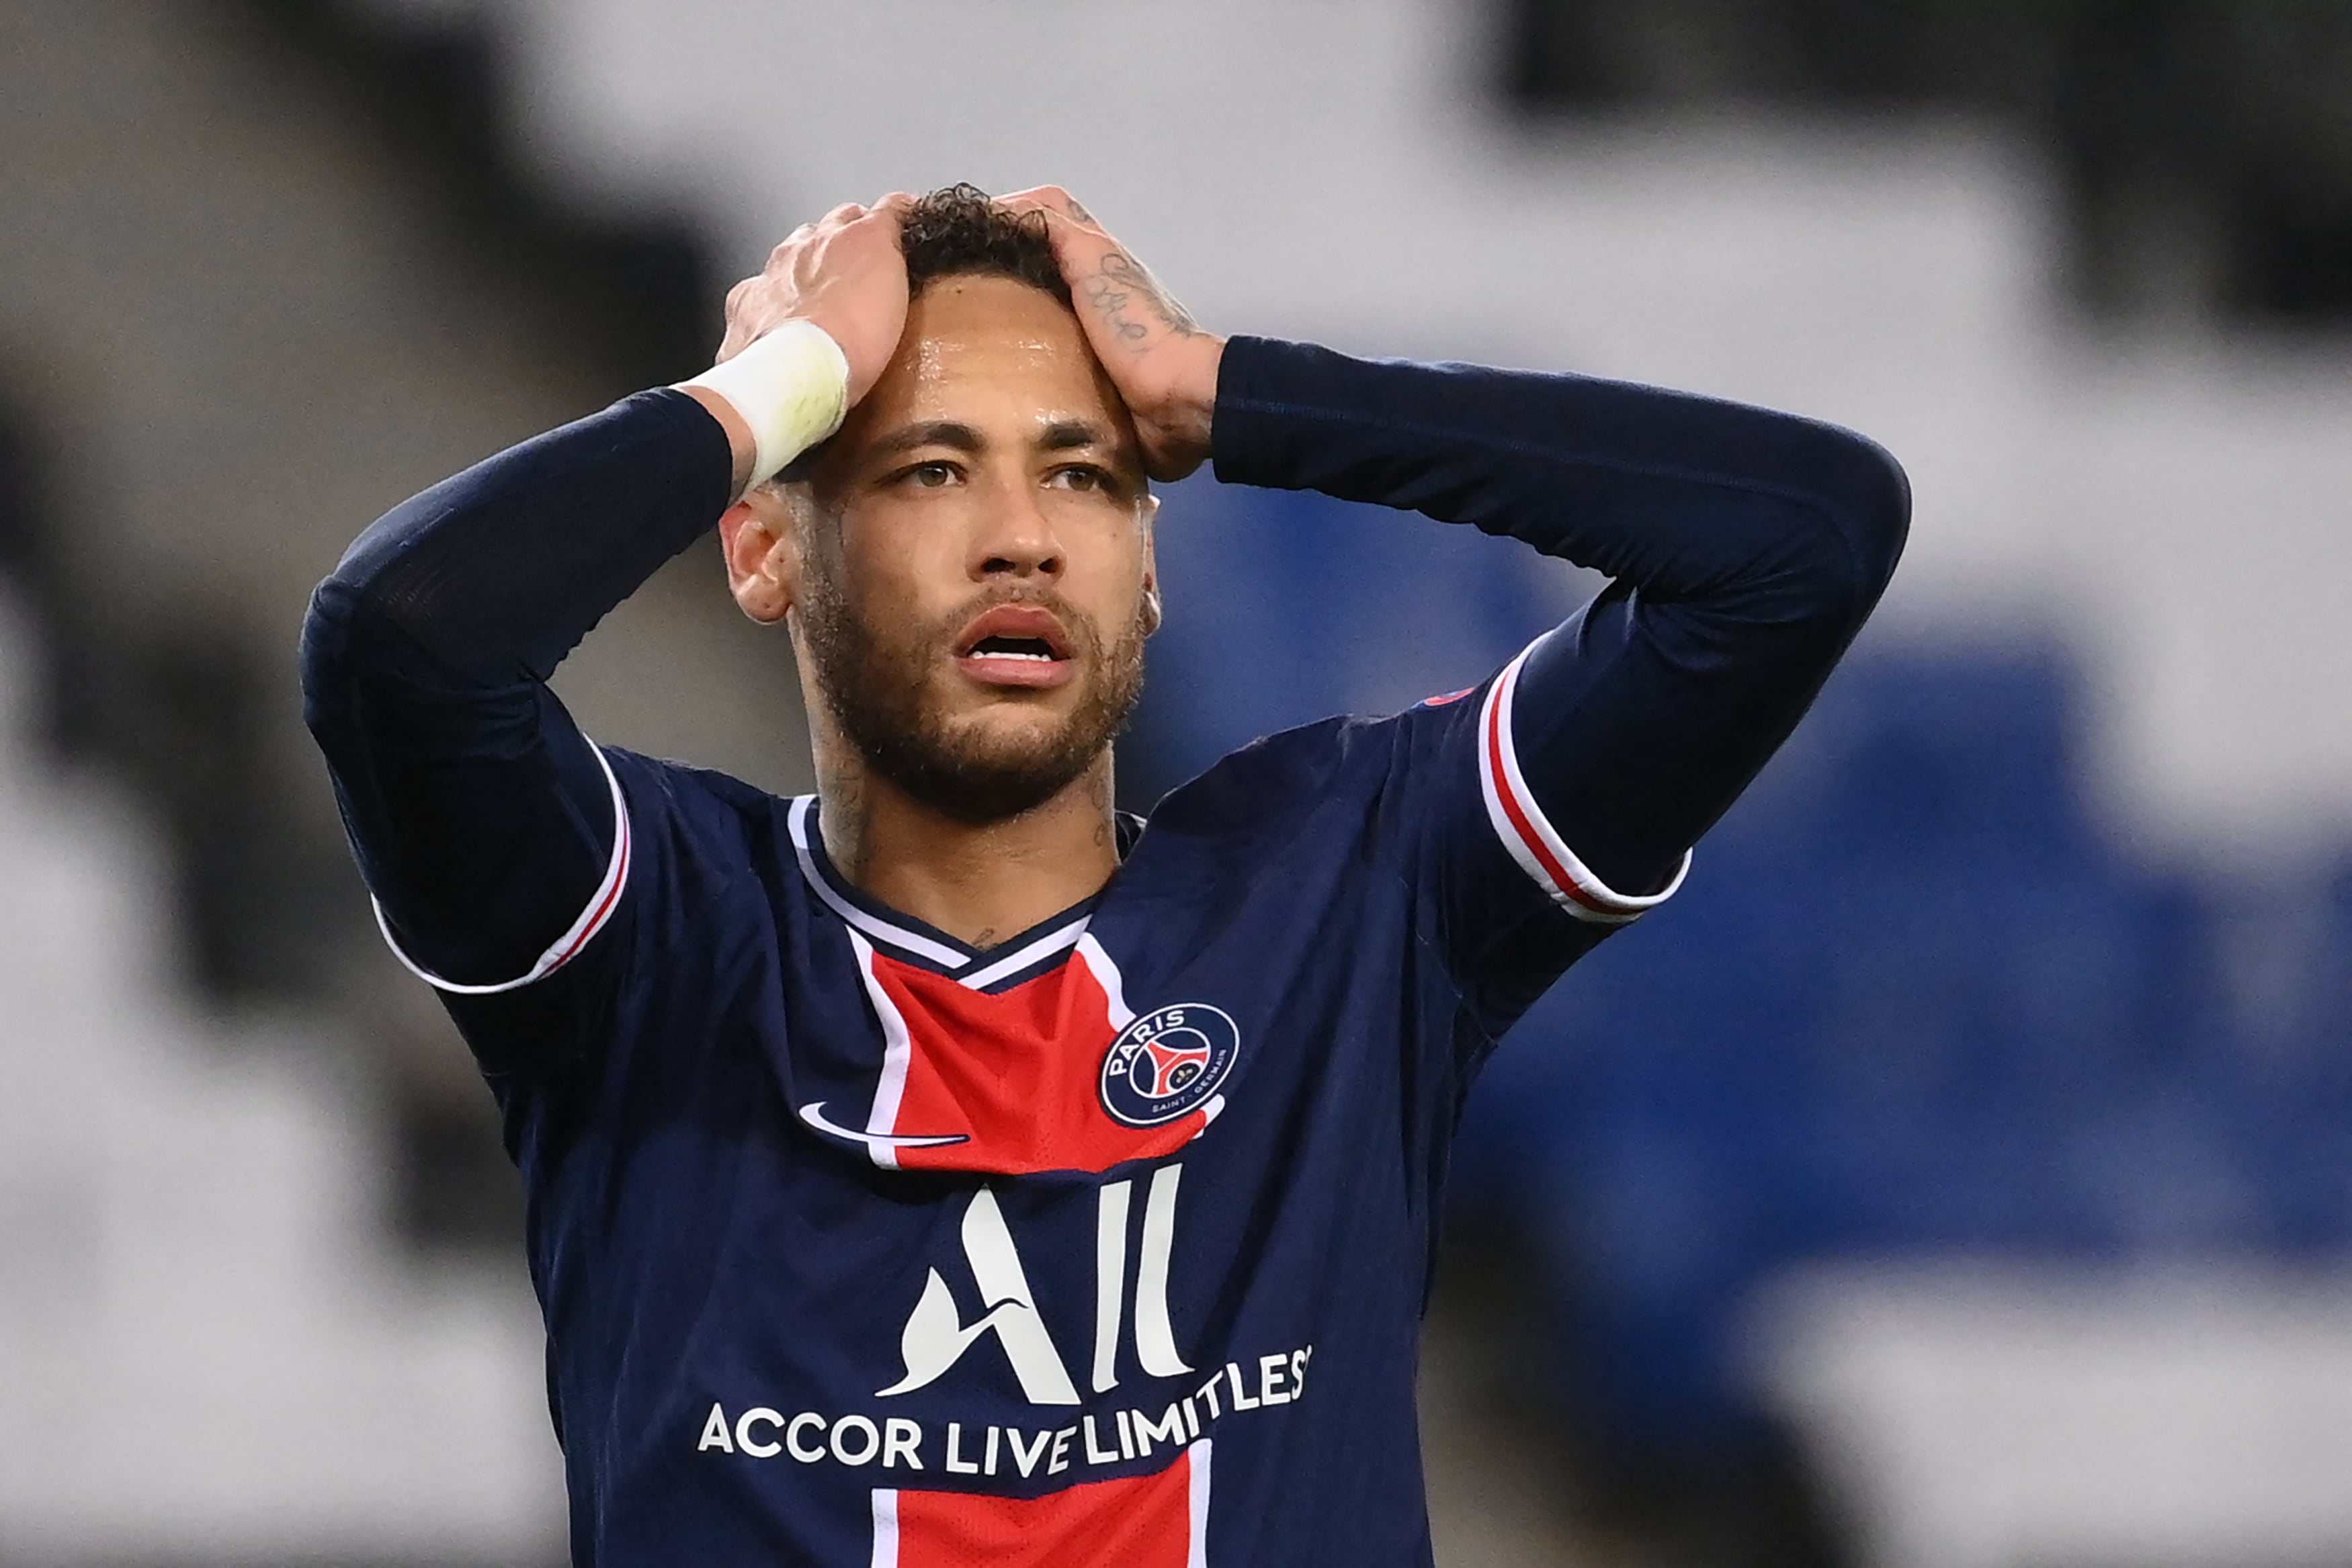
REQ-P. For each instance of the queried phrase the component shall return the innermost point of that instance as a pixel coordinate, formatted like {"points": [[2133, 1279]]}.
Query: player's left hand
{"points": [[1161, 360]]}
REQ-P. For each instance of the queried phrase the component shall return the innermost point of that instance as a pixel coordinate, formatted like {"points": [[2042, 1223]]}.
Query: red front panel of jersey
{"points": [[1139, 1521], [1017, 1073]]}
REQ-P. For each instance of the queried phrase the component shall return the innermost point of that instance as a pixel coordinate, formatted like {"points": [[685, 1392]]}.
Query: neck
{"points": [[979, 883]]}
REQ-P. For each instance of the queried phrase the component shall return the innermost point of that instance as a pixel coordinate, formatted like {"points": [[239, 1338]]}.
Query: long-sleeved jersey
{"points": [[859, 1246]]}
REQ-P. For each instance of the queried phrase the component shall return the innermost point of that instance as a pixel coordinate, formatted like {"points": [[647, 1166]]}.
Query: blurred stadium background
{"points": [[1957, 1175]]}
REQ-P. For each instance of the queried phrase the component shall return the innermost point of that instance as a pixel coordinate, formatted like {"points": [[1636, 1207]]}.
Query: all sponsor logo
{"points": [[1168, 1062], [1129, 1330], [936, 1336]]}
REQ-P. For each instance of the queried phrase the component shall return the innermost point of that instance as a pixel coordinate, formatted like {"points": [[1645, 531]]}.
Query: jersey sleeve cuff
{"points": [[1528, 835], [566, 947]]}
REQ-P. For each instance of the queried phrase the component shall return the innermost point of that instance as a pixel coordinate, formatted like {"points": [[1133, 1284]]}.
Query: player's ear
{"points": [[1149, 514], [763, 550]]}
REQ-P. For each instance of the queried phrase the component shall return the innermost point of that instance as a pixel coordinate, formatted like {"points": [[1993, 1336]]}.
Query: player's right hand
{"points": [[846, 274]]}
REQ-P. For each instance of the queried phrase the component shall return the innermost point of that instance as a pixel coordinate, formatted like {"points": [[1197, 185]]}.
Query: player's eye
{"points": [[936, 475], [1084, 477]]}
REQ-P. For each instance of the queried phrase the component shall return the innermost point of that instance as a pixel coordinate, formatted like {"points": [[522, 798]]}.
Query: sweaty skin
{"points": [[993, 464]]}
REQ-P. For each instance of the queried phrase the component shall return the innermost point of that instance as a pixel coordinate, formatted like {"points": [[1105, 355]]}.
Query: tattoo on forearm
{"points": [[1127, 294]]}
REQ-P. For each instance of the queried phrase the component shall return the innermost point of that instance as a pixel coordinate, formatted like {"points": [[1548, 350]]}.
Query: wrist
{"points": [[1200, 386], [789, 388], [742, 446], [1185, 422]]}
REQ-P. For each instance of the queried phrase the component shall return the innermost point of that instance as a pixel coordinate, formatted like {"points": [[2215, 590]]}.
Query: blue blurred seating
{"points": [[1913, 999]]}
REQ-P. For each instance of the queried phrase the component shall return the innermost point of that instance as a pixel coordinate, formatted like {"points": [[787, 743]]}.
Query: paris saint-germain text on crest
{"points": [[1167, 1062]]}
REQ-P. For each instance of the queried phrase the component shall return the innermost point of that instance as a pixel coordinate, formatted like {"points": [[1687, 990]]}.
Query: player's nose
{"points": [[1014, 537]]}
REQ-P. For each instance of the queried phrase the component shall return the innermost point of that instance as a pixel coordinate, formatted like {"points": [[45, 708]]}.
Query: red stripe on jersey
{"points": [[603, 910], [1137, 1521], [1561, 877], [1018, 1073]]}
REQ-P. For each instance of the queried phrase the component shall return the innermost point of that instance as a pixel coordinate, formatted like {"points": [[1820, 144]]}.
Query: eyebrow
{"points": [[932, 433], [1062, 435]]}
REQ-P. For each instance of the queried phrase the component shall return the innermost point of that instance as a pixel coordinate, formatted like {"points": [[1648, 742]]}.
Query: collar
{"points": [[1006, 964]]}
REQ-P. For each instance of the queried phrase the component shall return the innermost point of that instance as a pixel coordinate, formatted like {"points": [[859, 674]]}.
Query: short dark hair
{"points": [[959, 231]]}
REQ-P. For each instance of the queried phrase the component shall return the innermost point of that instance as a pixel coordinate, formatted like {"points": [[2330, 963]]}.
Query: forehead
{"points": [[993, 353]]}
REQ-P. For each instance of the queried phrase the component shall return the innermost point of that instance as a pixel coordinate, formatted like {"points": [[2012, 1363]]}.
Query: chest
{"points": [[1120, 1039]]}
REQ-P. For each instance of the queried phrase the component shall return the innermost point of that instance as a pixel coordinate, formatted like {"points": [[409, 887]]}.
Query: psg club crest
{"points": [[1168, 1062]]}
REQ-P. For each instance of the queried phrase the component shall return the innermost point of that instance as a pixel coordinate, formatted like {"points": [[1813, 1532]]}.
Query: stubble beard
{"points": [[879, 686]]}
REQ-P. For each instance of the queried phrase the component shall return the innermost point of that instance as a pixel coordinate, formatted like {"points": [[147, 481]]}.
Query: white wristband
{"points": [[792, 387]]}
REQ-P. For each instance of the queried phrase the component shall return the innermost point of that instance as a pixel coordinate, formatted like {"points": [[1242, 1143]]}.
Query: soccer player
{"points": [[945, 1169]]}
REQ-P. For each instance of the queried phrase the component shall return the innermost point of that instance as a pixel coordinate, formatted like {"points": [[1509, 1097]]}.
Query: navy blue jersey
{"points": [[1107, 1244]]}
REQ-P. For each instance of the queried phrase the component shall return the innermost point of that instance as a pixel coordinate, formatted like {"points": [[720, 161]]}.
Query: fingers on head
{"points": [[841, 216], [893, 205], [1043, 204], [891, 209], [1052, 200]]}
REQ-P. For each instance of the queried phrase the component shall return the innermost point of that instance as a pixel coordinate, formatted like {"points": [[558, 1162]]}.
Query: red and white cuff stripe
{"points": [[1531, 840], [593, 919]]}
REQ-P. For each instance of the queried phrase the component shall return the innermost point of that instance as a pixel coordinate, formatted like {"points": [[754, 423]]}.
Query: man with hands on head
{"points": [[945, 1168]]}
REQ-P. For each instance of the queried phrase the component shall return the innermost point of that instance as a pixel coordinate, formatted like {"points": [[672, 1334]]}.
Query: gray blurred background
{"points": [[1958, 1175]]}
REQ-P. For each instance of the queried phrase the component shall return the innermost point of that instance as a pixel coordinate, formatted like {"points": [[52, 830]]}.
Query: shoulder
{"points": [[678, 801], [1268, 781], [1271, 788]]}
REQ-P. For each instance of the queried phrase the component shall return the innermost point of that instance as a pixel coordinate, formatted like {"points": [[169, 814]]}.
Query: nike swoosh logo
{"points": [[814, 1116]]}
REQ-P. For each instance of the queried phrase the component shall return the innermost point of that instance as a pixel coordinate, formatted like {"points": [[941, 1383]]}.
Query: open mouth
{"points": [[1013, 648], [1015, 645]]}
